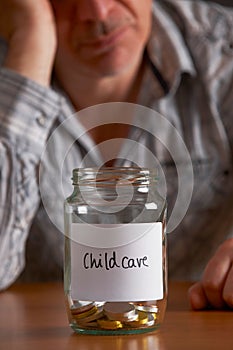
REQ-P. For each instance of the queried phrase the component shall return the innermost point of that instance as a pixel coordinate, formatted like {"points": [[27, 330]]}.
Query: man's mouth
{"points": [[100, 37], [106, 41]]}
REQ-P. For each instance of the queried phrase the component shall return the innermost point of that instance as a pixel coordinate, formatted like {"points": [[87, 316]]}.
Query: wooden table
{"points": [[33, 317]]}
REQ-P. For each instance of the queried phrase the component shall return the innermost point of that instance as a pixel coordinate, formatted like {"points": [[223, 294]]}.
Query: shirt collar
{"points": [[167, 49]]}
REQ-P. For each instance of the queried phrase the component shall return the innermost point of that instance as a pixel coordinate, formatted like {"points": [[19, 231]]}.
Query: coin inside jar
{"points": [[151, 320], [80, 307], [141, 320], [85, 314], [145, 307], [121, 311], [109, 324], [93, 317]]}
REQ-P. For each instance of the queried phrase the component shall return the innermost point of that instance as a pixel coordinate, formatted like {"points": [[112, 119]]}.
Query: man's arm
{"points": [[212, 26], [27, 111]]}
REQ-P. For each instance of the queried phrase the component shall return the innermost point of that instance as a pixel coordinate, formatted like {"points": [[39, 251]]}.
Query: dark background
{"points": [[224, 2]]}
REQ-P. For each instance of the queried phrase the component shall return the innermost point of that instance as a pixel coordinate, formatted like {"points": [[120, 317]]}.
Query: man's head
{"points": [[101, 37]]}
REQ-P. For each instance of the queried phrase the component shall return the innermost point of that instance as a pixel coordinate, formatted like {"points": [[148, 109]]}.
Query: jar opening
{"points": [[112, 175]]}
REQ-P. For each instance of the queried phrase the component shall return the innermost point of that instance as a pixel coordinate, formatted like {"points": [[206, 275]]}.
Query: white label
{"points": [[116, 262]]}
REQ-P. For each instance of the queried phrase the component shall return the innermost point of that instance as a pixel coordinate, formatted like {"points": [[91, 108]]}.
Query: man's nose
{"points": [[93, 9]]}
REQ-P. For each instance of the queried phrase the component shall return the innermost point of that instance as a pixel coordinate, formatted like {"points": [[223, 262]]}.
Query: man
{"points": [[178, 62]]}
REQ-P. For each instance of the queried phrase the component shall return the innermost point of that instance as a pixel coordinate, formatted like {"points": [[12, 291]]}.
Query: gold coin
{"points": [[93, 317], [154, 315], [89, 324], [80, 307], [85, 314], [141, 320], [109, 324]]}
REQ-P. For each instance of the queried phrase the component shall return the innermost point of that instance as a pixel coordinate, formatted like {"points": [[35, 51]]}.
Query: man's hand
{"points": [[216, 286], [29, 28]]}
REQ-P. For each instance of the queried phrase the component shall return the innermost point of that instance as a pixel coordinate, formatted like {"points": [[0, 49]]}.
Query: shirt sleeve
{"points": [[208, 31], [27, 113]]}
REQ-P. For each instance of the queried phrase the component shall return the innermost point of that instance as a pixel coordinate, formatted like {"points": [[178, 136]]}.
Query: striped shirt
{"points": [[189, 80]]}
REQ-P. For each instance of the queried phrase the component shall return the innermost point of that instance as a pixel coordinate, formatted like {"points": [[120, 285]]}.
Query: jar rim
{"points": [[89, 174]]}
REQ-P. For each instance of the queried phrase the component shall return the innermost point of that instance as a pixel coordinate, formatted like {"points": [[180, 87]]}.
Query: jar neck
{"points": [[114, 176]]}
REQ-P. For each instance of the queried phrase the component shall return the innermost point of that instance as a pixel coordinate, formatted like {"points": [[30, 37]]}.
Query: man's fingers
{"points": [[213, 281], [197, 297], [227, 293], [216, 273], [216, 286]]}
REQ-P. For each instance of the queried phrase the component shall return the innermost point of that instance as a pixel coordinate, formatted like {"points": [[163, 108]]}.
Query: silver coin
{"points": [[146, 308], [151, 321], [120, 311]]}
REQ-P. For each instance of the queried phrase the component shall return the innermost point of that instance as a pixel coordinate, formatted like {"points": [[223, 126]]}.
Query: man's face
{"points": [[101, 37]]}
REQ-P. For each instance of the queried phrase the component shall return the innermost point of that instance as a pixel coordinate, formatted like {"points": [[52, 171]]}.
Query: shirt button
{"points": [[40, 120], [228, 49]]}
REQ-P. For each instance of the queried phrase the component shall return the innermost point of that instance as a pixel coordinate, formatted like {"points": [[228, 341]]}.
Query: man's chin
{"points": [[112, 64], [108, 67]]}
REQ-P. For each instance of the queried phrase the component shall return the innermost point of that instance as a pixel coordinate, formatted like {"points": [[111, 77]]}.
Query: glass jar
{"points": [[115, 268]]}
